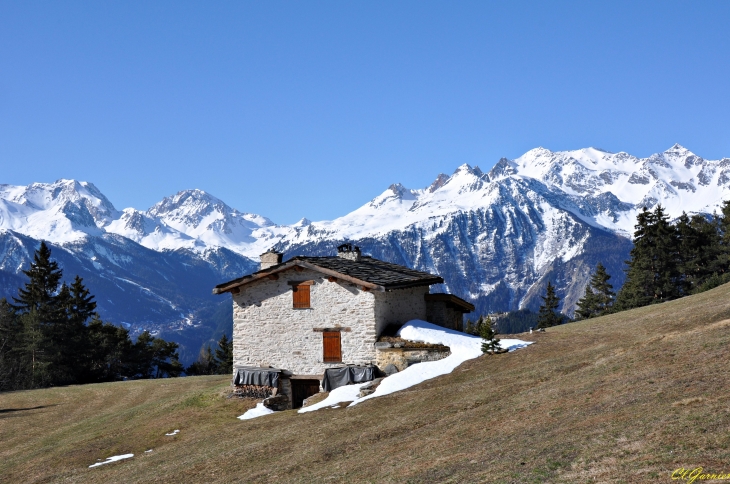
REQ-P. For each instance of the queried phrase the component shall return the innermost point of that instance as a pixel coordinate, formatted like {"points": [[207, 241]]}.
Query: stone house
{"points": [[301, 317]]}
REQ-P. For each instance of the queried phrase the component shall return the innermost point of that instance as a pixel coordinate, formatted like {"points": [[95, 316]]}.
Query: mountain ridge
{"points": [[497, 238]]}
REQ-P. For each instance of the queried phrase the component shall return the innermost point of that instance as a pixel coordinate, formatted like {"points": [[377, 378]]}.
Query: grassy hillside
{"points": [[625, 398]]}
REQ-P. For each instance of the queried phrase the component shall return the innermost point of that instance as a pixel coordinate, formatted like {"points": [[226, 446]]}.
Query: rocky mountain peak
{"points": [[440, 180], [502, 169], [189, 203], [303, 222], [399, 191], [466, 168], [82, 202]]}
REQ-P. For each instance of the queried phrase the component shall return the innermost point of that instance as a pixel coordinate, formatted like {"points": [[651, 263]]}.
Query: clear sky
{"points": [[310, 109]]}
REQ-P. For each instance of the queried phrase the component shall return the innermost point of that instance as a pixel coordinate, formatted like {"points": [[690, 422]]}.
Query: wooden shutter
{"points": [[332, 347], [301, 296]]}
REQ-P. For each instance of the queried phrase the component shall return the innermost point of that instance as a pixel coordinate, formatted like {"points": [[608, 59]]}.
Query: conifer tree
{"points": [[603, 290], [699, 250], [39, 292], [599, 295], [12, 369], [653, 271], [205, 364], [490, 342], [31, 352], [224, 356], [108, 353], [154, 358], [548, 315], [82, 306], [478, 326], [586, 306], [723, 224]]}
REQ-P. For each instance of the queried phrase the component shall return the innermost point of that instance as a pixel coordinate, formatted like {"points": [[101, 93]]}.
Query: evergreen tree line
{"points": [[218, 362], [517, 321], [52, 335], [668, 261]]}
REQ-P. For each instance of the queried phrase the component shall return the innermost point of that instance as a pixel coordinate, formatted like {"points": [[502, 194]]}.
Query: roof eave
{"points": [[243, 281], [420, 282]]}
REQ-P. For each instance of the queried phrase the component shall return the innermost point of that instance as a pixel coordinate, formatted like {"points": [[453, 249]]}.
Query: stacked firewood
{"points": [[254, 391]]}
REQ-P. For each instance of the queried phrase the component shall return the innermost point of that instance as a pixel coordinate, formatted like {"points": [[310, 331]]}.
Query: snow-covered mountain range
{"points": [[495, 237]]}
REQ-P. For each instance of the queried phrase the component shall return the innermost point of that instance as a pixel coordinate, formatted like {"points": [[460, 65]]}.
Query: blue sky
{"points": [[310, 109]]}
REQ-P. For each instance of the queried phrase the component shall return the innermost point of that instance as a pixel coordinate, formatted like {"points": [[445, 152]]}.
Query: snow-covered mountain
{"points": [[610, 187], [496, 237], [196, 220], [63, 211]]}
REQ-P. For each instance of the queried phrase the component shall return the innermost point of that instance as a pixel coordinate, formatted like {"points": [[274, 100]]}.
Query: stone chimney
{"points": [[348, 251], [270, 258]]}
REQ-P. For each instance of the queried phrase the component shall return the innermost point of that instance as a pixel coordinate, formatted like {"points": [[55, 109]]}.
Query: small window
{"points": [[332, 347], [301, 296]]}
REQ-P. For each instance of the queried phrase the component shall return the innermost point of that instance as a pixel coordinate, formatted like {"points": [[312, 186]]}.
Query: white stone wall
{"points": [[399, 306], [267, 331]]}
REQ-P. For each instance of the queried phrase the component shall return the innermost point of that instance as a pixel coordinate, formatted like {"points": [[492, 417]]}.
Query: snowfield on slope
{"points": [[464, 347]]}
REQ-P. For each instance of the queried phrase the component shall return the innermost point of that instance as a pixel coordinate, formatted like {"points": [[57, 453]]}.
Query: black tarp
{"points": [[338, 377], [250, 375]]}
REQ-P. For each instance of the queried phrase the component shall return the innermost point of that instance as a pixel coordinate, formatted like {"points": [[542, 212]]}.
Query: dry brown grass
{"points": [[625, 398]]}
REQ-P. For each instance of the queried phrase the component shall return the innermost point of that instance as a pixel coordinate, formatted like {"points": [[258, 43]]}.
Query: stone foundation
{"points": [[402, 358]]}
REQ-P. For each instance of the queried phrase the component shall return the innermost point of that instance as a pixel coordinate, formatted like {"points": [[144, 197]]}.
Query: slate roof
{"points": [[371, 272], [454, 301]]}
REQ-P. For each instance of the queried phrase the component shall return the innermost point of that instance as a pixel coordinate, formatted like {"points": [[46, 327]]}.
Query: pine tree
{"points": [[586, 306], [39, 292], [108, 353], [41, 313], [549, 315], [653, 274], [603, 290], [154, 358], [31, 352], [12, 369], [224, 356], [478, 326], [699, 250], [490, 342], [723, 225], [205, 364], [599, 295], [82, 305]]}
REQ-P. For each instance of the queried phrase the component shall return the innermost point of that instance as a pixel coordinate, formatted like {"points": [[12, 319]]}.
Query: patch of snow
{"points": [[174, 432], [258, 411], [147, 451], [463, 347], [347, 393], [111, 459]]}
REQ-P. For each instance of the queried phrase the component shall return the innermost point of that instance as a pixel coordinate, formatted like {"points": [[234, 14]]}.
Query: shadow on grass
{"points": [[9, 410]]}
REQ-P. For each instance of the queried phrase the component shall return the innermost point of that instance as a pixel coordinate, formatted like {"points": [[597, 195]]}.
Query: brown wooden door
{"points": [[301, 389], [332, 347]]}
